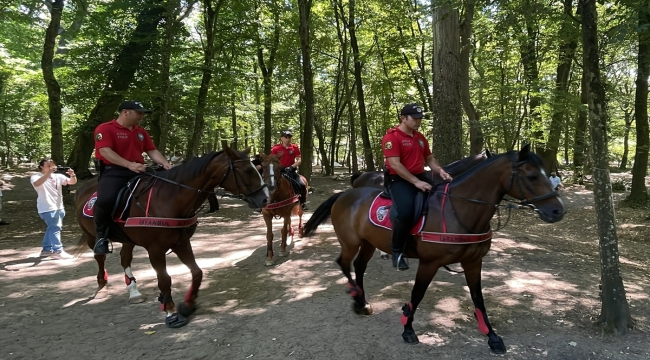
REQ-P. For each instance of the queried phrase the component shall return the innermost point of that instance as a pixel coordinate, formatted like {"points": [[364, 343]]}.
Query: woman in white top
{"points": [[48, 186]]}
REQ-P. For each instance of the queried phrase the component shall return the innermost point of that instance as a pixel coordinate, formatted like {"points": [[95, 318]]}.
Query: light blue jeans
{"points": [[54, 222]]}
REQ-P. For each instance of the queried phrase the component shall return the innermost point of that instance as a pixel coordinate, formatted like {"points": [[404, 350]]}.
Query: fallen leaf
{"points": [[149, 332]]}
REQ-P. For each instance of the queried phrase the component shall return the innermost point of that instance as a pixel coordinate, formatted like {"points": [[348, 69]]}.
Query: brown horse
{"points": [[176, 195], [457, 228], [282, 203]]}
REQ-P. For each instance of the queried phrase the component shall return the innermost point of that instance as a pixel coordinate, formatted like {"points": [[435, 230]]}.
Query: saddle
{"points": [[122, 207]]}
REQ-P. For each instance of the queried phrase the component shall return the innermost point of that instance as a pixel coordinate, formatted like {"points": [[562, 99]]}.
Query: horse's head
{"points": [[245, 179], [271, 170], [528, 183]]}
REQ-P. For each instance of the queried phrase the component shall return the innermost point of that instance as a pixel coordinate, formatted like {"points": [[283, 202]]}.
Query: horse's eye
{"points": [[532, 177]]}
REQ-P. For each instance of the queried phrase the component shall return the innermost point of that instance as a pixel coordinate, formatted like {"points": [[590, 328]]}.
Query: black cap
{"points": [[287, 133], [133, 105], [412, 109]]}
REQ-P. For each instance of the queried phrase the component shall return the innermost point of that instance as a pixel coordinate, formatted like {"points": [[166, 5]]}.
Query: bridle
{"points": [[522, 203]]}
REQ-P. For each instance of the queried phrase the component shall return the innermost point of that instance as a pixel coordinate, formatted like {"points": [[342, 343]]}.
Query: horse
{"points": [[174, 197], [282, 203], [457, 229]]}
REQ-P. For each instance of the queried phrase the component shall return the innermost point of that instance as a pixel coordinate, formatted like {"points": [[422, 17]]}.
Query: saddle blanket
{"points": [[379, 215]]}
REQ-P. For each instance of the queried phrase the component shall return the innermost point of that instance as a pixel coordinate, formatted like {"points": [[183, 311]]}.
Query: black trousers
{"points": [[297, 183], [403, 194], [112, 178]]}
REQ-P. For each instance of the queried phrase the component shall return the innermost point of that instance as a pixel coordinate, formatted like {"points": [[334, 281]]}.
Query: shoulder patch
{"points": [[140, 137], [98, 137], [388, 145]]}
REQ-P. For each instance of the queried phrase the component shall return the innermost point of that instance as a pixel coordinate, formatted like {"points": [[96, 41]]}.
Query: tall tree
{"points": [[52, 85], [211, 12], [307, 136], [120, 76], [475, 131], [361, 101], [615, 311], [267, 68], [447, 110], [569, 35], [639, 192]]}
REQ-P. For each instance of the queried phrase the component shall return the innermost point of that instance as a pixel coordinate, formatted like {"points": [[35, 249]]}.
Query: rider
{"points": [[119, 145], [289, 160], [407, 152]]}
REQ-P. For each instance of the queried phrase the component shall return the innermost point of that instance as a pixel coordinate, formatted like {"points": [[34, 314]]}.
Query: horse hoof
{"points": [[284, 253], [176, 320], [269, 263], [136, 299], [496, 345], [410, 337], [185, 309], [362, 310]]}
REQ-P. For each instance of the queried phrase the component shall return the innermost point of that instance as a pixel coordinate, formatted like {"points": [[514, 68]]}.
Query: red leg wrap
{"points": [[408, 313], [482, 326], [188, 296], [105, 275]]}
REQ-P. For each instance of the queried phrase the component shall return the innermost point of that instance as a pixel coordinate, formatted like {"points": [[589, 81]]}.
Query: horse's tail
{"points": [[354, 177], [321, 214]]}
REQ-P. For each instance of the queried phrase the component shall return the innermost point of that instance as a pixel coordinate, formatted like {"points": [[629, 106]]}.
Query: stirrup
{"points": [[400, 263], [99, 250]]}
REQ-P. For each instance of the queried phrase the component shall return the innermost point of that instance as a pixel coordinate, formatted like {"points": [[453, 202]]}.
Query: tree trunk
{"points": [[615, 312], [53, 88], [358, 69], [475, 131], [639, 192], [307, 137], [122, 71], [570, 34], [210, 20], [626, 139], [321, 149], [447, 110], [267, 69]]}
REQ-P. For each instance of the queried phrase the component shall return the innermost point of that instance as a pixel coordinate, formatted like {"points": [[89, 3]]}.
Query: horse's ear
{"points": [[247, 151], [523, 153], [230, 152], [488, 153]]}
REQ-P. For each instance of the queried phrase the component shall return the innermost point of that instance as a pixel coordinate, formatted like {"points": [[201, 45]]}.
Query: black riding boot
{"points": [[101, 243], [397, 247]]}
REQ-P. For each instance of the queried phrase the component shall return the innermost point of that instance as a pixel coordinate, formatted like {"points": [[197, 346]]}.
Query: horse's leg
{"points": [[300, 227], [268, 219], [426, 272], [286, 231], [185, 254], [102, 277], [126, 255], [473, 278], [349, 248], [159, 263], [361, 306]]}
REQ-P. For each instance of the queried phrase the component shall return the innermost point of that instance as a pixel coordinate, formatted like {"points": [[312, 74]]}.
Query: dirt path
{"points": [[540, 283]]}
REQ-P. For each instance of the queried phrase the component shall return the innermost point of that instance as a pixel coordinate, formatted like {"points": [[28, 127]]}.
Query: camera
{"points": [[63, 169]]}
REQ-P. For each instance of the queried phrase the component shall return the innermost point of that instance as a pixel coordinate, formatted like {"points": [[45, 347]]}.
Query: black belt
{"points": [[395, 177]]}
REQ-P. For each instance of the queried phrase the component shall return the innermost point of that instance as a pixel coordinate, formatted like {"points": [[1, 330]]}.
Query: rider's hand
{"points": [[445, 176], [137, 167], [422, 185], [167, 166]]}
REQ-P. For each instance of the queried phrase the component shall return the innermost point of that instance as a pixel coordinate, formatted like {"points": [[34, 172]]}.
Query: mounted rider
{"points": [[290, 160]]}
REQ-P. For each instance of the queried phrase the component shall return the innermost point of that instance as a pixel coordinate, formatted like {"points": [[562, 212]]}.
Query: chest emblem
{"points": [[290, 152], [140, 137], [388, 145]]}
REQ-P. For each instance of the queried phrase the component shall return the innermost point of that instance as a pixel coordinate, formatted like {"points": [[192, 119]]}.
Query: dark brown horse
{"points": [[457, 227], [173, 194], [283, 203]]}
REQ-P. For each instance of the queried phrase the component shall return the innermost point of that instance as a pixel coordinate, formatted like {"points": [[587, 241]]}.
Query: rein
{"points": [[514, 204]]}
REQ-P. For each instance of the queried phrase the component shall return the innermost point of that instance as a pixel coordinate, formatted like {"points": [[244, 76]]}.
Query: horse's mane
{"points": [[458, 167], [189, 169], [531, 158]]}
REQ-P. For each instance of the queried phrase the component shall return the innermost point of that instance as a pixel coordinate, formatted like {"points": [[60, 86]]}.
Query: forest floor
{"points": [[540, 283]]}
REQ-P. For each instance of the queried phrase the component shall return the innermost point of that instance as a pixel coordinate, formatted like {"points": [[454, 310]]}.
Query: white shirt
{"points": [[176, 160], [555, 182], [50, 195]]}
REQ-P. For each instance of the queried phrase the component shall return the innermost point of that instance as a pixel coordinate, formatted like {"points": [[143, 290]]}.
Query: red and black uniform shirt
{"points": [[412, 150], [129, 144], [289, 154]]}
